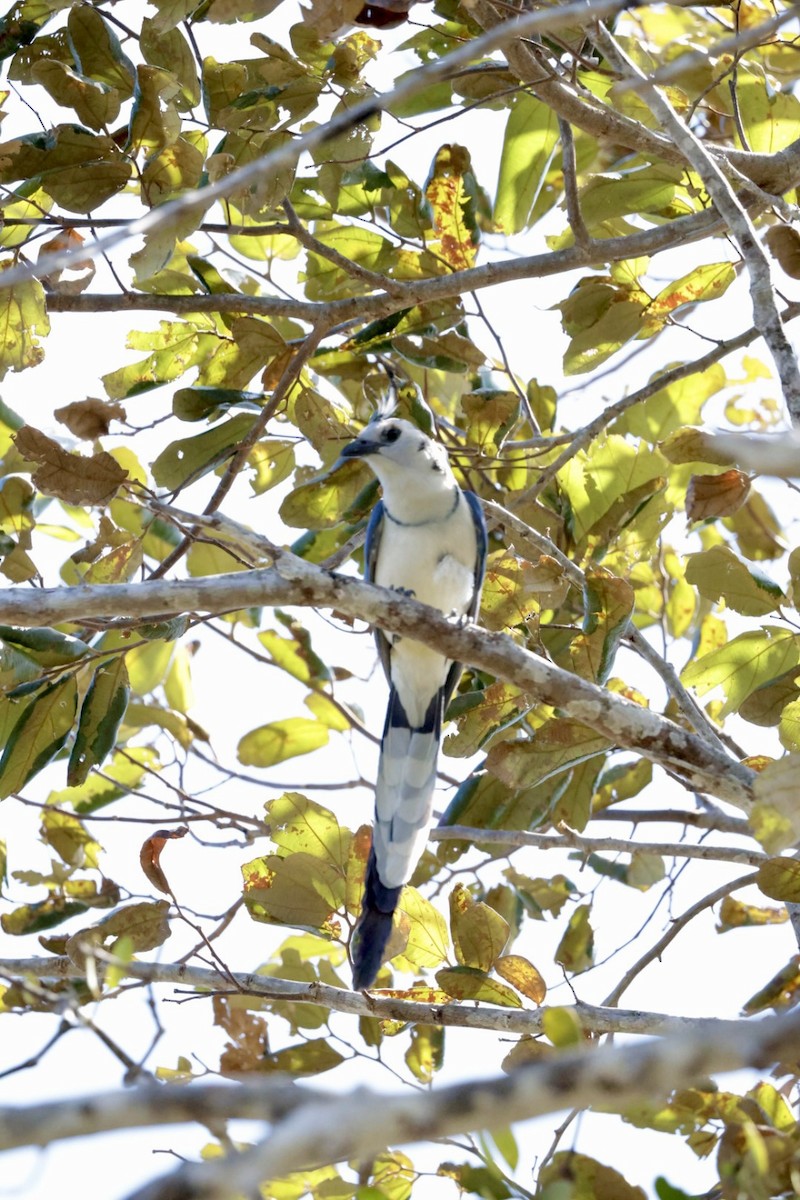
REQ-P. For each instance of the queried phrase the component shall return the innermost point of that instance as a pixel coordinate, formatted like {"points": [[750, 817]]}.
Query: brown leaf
{"points": [[329, 17], [67, 240], [90, 418], [784, 246], [247, 1032], [150, 856], [385, 15], [716, 495], [75, 478]]}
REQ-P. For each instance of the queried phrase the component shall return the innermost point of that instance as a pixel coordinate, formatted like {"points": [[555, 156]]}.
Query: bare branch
{"points": [[567, 839]]}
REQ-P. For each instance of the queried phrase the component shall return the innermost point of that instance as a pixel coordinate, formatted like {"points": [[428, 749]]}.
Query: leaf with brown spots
{"points": [[450, 192], [522, 975], [74, 478]]}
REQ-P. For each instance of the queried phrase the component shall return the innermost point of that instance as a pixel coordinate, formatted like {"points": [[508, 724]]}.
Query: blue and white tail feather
{"points": [[426, 538]]}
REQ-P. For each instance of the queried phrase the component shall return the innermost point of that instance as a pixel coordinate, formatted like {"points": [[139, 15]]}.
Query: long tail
{"points": [[403, 806]]}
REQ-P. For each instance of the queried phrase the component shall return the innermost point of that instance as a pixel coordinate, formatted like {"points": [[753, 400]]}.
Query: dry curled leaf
{"points": [[90, 418], [784, 246], [329, 17], [716, 495], [150, 856], [83, 269], [75, 478]]}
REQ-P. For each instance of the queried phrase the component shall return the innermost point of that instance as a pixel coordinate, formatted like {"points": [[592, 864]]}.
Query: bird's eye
{"points": [[391, 434]]}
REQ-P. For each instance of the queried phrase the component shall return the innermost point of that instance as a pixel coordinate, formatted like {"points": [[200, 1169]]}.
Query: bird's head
{"points": [[395, 449]]}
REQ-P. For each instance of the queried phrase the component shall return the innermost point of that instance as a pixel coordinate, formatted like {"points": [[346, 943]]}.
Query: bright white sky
{"points": [[78, 352]]}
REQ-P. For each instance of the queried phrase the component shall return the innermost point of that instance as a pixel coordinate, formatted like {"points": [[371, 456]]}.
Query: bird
{"points": [[426, 538]]}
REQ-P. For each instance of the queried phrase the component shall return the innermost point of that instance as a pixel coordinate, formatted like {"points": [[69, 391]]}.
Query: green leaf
{"points": [[425, 1055], [175, 347], [274, 743], [120, 777], [38, 735], [297, 824], [718, 574], [562, 1027], [779, 878], [645, 190], [146, 924], [528, 147], [36, 918], [23, 319], [587, 1177], [595, 482], [189, 459], [306, 1058], [425, 929], [479, 933], [69, 839], [97, 50], [299, 889], [575, 951], [324, 501], [95, 104], [743, 664], [608, 603], [557, 747], [671, 409], [47, 647], [467, 983]]}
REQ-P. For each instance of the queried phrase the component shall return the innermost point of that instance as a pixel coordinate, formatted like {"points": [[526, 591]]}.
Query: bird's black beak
{"points": [[360, 448]]}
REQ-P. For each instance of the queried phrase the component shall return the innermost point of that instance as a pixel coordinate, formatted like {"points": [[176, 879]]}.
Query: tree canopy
{"points": [[329, 206]]}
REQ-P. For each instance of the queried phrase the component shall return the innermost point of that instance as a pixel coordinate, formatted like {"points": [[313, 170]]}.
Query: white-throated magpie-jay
{"points": [[426, 538]]}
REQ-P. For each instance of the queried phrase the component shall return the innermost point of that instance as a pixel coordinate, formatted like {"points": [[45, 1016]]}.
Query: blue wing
{"points": [[372, 544]]}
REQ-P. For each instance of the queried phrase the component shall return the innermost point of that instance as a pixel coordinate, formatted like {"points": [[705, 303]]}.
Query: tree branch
{"points": [[314, 1129], [701, 766], [422, 291], [593, 1019], [288, 155], [567, 839], [765, 311]]}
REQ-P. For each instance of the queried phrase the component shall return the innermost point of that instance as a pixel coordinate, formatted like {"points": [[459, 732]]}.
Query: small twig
{"points": [[574, 214], [675, 928]]}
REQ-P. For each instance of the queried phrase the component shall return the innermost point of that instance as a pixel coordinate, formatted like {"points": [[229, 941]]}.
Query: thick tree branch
{"points": [[328, 1129], [699, 765], [387, 1007]]}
